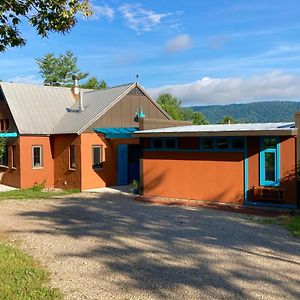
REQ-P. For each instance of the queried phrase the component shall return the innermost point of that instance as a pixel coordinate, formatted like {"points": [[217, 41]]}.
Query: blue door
{"points": [[122, 164]]}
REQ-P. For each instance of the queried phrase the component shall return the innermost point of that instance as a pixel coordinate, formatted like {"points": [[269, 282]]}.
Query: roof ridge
{"points": [[112, 87], [35, 85]]}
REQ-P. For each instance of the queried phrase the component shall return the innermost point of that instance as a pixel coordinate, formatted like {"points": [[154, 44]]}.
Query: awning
{"points": [[8, 134], [117, 132]]}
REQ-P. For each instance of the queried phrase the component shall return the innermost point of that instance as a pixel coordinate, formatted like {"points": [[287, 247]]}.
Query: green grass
{"points": [[34, 194], [22, 278], [293, 225]]}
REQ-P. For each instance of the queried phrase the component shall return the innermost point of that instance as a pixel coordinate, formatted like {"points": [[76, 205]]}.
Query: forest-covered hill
{"points": [[267, 111]]}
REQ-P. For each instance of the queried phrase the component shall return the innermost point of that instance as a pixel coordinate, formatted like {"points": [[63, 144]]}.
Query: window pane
{"points": [[72, 157], [97, 156], [158, 143], [222, 143], [269, 143], [170, 143], [238, 144], [37, 157], [207, 144], [269, 166]]}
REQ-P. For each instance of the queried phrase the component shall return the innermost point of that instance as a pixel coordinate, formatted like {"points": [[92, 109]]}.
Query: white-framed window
{"points": [[37, 156], [72, 159], [97, 156]]}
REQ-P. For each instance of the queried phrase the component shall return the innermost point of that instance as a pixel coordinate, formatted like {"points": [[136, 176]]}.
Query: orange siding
{"points": [[63, 176], [107, 176], [29, 175], [203, 176], [288, 169], [253, 165]]}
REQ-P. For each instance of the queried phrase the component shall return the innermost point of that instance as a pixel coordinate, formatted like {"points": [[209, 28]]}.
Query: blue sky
{"points": [[204, 52]]}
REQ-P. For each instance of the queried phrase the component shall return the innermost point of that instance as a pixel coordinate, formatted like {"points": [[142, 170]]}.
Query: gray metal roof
{"points": [[95, 103], [222, 129], [36, 109]]}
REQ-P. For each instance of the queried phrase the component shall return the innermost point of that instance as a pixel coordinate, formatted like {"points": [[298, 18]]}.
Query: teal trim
{"points": [[8, 134], [117, 132], [262, 167]]}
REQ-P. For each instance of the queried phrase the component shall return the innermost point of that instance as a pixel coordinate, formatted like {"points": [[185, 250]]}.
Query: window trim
{"points": [[41, 156], [70, 163], [100, 166], [262, 170]]}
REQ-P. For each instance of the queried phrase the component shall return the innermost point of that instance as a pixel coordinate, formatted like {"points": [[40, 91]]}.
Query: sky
{"points": [[203, 52]]}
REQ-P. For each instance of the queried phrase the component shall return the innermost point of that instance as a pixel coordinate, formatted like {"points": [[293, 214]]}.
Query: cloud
{"points": [[140, 19], [100, 11], [271, 86], [218, 42], [26, 79], [178, 43]]}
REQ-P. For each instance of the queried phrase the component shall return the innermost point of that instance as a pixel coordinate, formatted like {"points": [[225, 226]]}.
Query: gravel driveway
{"points": [[107, 246]]}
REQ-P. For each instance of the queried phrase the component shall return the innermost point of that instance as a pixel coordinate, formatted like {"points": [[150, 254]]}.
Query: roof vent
{"points": [[80, 107], [75, 87]]}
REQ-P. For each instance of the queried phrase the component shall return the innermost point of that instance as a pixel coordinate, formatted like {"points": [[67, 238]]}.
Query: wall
{"points": [[194, 175], [29, 176], [107, 176], [64, 177], [122, 113]]}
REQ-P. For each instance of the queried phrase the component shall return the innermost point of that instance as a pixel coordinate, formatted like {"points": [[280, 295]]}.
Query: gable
{"points": [[122, 114]]}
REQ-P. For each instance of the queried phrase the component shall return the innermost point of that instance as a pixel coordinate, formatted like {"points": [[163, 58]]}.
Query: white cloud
{"points": [[25, 79], [100, 11], [178, 43], [140, 19], [271, 86]]}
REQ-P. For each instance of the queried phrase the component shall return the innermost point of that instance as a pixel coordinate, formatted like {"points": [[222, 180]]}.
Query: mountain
{"points": [[266, 111]]}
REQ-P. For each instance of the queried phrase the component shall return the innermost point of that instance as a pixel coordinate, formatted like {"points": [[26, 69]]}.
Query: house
{"points": [[241, 163], [67, 138]]}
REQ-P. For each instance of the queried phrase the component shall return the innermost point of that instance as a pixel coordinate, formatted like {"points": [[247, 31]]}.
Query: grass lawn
{"points": [[22, 278], [34, 194], [294, 225]]}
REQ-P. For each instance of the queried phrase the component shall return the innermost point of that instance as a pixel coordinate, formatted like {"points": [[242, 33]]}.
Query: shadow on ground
{"points": [[171, 250]]}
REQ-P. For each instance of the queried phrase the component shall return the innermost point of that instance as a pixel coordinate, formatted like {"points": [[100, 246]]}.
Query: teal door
{"points": [[122, 165]]}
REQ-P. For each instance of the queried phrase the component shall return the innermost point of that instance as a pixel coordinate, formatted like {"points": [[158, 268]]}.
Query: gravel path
{"points": [[107, 246]]}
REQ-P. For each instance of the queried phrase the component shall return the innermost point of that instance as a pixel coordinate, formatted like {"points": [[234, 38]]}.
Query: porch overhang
{"points": [[8, 134], [117, 132]]}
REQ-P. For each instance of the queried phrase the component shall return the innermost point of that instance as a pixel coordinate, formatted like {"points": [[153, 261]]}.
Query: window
{"points": [[4, 157], [206, 143], [72, 161], [170, 143], [157, 143], [97, 157], [269, 162], [238, 143], [222, 143], [13, 156], [37, 160]]}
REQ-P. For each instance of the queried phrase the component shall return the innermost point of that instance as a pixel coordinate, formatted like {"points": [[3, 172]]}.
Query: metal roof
{"points": [[223, 130], [36, 109], [95, 104]]}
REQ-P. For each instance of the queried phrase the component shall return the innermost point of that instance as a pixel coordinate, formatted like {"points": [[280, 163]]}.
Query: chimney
{"points": [[229, 121], [75, 87], [80, 106]]}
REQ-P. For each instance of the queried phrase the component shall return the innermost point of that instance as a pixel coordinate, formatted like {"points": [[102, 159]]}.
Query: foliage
{"points": [[294, 225], [270, 111], [198, 118], [59, 70], [34, 194], [22, 278], [171, 105], [94, 84], [2, 146], [228, 120], [37, 187], [44, 15]]}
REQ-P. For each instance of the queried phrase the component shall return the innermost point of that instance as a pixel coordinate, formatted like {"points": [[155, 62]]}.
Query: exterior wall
{"points": [[107, 176], [6, 114], [287, 167], [30, 175], [208, 176], [122, 114], [9, 175], [64, 177]]}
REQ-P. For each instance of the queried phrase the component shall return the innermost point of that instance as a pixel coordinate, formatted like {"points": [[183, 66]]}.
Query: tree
{"points": [[171, 105], [228, 120], [198, 118], [94, 84], [59, 70], [45, 15]]}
